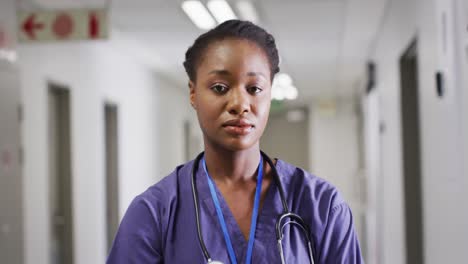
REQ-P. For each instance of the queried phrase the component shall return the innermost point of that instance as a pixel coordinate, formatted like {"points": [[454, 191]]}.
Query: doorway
{"points": [[287, 136], [411, 154], [112, 171], [60, 175]]}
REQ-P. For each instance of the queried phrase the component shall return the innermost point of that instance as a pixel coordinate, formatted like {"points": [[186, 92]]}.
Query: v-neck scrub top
{"points": [[160, 227]]}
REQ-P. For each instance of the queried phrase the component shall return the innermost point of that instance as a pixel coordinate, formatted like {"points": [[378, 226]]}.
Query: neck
{"points": [[232, 166]]}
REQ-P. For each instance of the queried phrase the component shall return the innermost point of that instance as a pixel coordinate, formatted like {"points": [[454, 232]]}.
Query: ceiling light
{"points": [[283, 88], [277, 93], [221, 10], [290, 92], [283, 79], [247, 11], [199, 15], [9, 55]]}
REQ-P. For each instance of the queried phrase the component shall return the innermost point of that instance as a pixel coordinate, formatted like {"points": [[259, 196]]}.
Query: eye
{"points": [[219, 88], [254, 90]]}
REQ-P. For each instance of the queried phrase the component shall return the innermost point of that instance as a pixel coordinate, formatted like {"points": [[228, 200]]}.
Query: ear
{"points": [[191, 86]]}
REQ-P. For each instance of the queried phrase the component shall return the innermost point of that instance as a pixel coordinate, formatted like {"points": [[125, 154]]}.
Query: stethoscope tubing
{"points": [[294, 218], [197, 211]]}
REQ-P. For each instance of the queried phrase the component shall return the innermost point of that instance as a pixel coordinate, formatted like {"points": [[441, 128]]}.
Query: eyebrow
{"points": [[220, 72], [227, 73]]}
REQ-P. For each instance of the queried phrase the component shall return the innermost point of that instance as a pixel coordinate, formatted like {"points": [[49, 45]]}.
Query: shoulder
{"points": [[314, 198], [308, 187], [321, 205], [168, 188], [149, 212]]}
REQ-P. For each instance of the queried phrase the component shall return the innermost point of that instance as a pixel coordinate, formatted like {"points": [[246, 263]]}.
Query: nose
{"points": [[239, 102]]}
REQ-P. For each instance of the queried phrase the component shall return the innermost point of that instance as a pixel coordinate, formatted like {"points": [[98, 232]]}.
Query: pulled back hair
{"points": [[237, 29]]}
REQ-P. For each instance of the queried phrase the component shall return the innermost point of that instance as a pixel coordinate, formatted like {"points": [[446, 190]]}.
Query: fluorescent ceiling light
{"points": [[9, 55], [283, 79], [277, 93], [197, 12], [283, 88], [290, 92], [221, 10], [247, 11]]}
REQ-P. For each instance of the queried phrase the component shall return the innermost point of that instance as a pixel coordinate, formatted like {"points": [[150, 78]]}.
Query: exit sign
{"points": [[63, 25]]}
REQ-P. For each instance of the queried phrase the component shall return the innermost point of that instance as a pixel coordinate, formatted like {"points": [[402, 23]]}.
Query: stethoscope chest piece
{"points": [[215, 262]]}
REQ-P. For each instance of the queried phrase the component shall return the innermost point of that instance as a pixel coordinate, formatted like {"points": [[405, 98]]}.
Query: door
{"points": [[287, 137], [60, 183], [112, 171], [411, 154]]}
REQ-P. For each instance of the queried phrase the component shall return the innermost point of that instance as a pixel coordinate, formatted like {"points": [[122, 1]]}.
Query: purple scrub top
{"points": [[159, 225]]}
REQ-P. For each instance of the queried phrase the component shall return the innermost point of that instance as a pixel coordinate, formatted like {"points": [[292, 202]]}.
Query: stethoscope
{"points": [[286, 218]]}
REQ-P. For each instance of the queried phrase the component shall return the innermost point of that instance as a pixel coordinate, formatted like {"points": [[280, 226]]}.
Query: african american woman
{"points": [[232, 203]]}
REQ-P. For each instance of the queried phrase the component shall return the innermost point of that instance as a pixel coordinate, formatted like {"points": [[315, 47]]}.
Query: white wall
{"points": [[11, 225], [334, 149], [444, 185], [462, 65], [7, 29], [373, 188], [151, 114], [334, 144]]}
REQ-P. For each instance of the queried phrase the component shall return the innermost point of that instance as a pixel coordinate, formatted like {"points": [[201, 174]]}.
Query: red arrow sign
{"points": [[30, 26], [93, 26], [61, 25]]}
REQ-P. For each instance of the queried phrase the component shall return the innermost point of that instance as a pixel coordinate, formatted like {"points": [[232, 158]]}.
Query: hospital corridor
{"points": [[96, 107]]}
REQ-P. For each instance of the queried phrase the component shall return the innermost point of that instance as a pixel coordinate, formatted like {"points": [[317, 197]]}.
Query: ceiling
{"points": [[323, 44]]}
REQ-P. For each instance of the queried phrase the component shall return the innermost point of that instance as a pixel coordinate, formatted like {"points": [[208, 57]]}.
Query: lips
{"points": [[238, 127]]}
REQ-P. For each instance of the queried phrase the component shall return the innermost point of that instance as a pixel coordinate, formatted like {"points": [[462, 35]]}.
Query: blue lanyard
{"points": [[253, 224]]}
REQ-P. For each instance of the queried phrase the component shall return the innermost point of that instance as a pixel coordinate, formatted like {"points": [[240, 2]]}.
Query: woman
{"points": [[230, 212]]}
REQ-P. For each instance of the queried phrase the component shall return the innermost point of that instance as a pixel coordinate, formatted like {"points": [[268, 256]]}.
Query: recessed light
{"points": [[247, 11], [221, 10], [199, 15]]}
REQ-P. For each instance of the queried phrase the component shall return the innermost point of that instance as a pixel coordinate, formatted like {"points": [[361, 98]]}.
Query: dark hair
{"points": [[232, 29]]}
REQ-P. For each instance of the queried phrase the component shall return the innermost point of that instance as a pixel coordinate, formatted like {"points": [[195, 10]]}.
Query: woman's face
{"points": [[232, 94]]}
